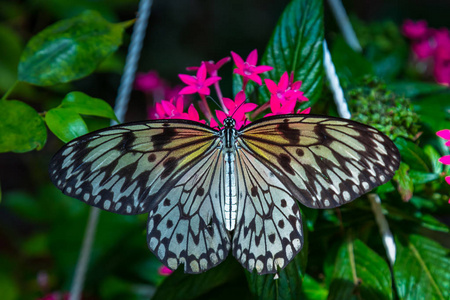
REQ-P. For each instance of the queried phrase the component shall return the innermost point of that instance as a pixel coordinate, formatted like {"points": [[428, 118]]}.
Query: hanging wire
{"points": [[341, 103], [120, 109]]}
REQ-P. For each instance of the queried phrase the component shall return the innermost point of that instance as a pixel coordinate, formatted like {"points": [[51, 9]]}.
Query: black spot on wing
{"points": [[285, 162], [127, 142], [290, 134], [163, 138], [169, 166]]}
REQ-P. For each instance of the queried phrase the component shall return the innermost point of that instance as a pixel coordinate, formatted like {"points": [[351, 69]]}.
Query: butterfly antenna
{"points": [[215, 102]]}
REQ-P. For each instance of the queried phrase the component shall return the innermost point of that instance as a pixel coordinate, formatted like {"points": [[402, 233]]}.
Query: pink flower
{"points": [[211, 67], [414, 30], [198, 84], [279, 108], [445, 134], [148, 82], [248, 69], [55, 296], [423, 48], [164, 271], [286, 89], [305, 111], [174, 109], [236, 109]]}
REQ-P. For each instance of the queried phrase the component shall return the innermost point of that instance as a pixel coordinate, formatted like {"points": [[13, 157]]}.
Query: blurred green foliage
{"points": [[343, 257]]}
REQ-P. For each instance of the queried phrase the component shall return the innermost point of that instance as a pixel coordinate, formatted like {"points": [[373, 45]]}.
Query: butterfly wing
{"points": [[323, 161], [128, 168], [268, 234], [171, 169], [187, 226]]}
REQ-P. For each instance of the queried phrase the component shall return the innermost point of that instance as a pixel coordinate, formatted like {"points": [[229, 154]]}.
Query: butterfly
{"points": [[210, 191]]}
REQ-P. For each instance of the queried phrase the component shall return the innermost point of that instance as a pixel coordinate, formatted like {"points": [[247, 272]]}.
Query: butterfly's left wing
{"points": [[323, 161], [268, 232]]}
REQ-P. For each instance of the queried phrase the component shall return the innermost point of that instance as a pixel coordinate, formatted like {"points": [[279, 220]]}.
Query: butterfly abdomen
{"points": [[230, 208]]}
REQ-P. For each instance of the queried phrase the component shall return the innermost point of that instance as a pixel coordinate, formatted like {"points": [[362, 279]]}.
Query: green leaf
{"points": [[22, 128], [289, 283], [421, 177], [413, 155], [359, 273], [413, 89], [11, 48], [296, 46], [69, 49], [422, 268], [86, 105], [433, 155], [404, 182], [434, 110], [350, 65], [312, 290], [193, 286], [65, 123]]}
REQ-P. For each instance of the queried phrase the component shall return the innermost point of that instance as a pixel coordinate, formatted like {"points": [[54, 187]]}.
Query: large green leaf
{"points": [[86, 105], [69, 49], [65, 123], [413, 155], [422, 268], [359, 273], [296, 46], [22, 128]]}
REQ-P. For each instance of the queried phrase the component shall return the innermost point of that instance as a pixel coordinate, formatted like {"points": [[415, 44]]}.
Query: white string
{"points": [[341, 103], [335, 86], [120, 109], [344, 24]]}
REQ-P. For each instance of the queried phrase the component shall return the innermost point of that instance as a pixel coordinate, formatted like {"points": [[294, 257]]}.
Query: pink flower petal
{"points": [[188, 90], [284, 81], [305, 111], [221, 116], [168, 107], [204, 91], [229, 104], [221, 62], [445, 160], [444, 133], [262, 69], [240, 98], [193, 113], [275, 104], [213, 123], [164, 271], [211, 80], [188, 79], [238, 61], [447, 179], [201, 73], [255, 78], [179, 103], [271, 86], [252, 58], [414, 30]]}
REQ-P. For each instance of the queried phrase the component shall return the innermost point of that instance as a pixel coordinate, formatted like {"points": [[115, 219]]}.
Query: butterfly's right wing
{"points": [[128, 168]]}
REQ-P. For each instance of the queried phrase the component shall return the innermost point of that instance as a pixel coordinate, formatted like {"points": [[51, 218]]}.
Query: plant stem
{"points": [[9, 91]]}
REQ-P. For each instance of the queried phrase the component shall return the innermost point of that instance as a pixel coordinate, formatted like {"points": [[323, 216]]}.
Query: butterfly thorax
{"points": [[228, 135]]}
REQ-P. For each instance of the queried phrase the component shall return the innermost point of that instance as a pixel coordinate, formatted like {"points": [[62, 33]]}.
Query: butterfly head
{"points": [[229, 122]]}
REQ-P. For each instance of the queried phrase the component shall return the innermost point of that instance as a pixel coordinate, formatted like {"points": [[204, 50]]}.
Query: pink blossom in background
{"points": [[248, 69], [148, 82], [198, 84], [445, 134], [432, 46], [164, 271], [415, 30], [174, 109], [55, 296]]}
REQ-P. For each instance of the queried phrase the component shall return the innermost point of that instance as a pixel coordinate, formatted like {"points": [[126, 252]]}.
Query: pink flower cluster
{"points": [[445, 134], [431, 46], [284, 95]]}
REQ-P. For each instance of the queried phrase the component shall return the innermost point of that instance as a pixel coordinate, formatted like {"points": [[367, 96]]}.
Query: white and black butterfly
{"points": [[208, 191]]}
